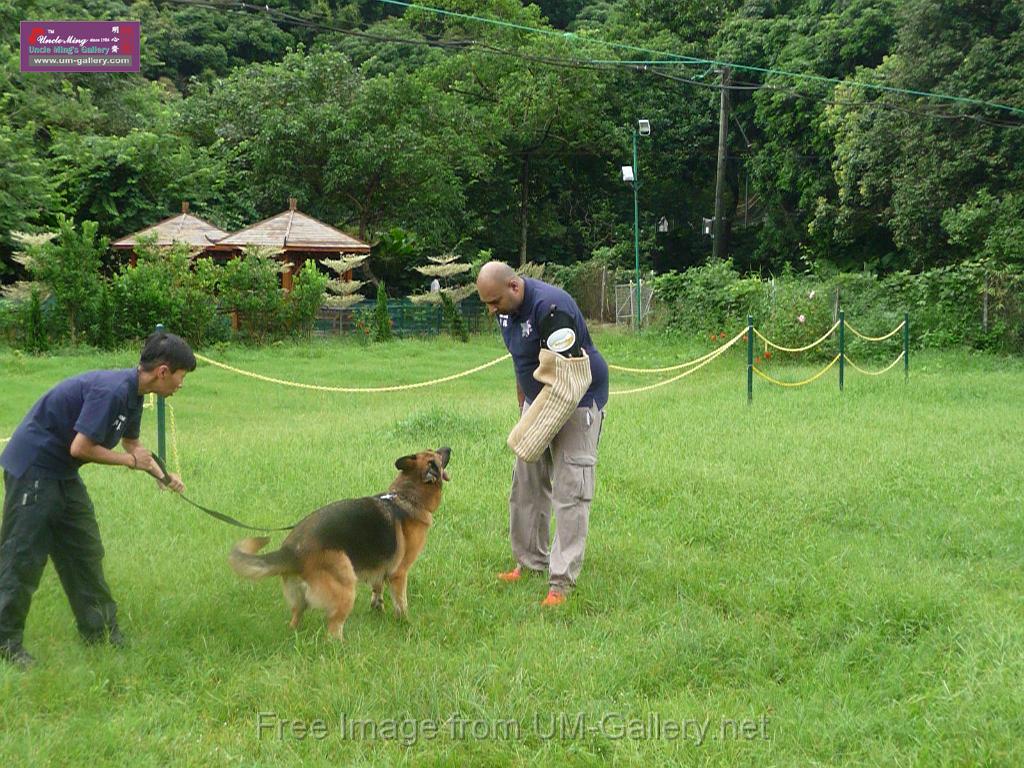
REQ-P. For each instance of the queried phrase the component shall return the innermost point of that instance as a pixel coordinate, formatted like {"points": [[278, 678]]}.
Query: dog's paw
{"points": [[377, 602]]}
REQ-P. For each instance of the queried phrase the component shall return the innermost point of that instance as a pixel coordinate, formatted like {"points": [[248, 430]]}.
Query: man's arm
{"points": [[84, 449], [136, 456]]}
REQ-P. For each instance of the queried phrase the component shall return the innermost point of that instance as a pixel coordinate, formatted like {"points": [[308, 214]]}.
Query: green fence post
{"points": [[906, 346], [842, 348], [161, 419], [750, 359]]}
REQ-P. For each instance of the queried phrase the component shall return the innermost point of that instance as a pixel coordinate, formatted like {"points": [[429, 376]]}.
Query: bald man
{"points": [[534, 315]]}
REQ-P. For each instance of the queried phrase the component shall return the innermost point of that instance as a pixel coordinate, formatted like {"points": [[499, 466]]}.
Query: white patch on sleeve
{"points": [[561, 340]]}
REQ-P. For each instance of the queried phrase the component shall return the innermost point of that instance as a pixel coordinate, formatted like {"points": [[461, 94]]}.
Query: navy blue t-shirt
{"points": [[522, 334], [105, 406]]}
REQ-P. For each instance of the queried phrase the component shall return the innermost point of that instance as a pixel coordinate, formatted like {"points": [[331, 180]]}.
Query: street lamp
{"points": [[631, 173]]}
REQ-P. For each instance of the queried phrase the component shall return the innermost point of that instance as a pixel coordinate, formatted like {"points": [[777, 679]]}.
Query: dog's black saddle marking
{"points": [[361, 528]]}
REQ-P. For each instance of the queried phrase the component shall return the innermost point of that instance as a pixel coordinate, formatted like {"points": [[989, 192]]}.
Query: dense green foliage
{"points": [[70, 299], [510, 141], [970, 303]]}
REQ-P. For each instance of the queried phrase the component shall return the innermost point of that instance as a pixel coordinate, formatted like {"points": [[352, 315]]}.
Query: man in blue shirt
{"points": [[47, 512], [534, 315]]}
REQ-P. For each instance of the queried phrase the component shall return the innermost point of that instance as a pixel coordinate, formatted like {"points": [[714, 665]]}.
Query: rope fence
{"points": [[689, 367], [353, 390], [841, 357]]}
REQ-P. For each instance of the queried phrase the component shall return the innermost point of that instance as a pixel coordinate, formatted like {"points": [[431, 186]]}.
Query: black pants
{"points": [[44, 517]]}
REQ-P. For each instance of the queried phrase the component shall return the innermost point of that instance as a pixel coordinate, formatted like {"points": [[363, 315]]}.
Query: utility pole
{"points": [[719, 246]]}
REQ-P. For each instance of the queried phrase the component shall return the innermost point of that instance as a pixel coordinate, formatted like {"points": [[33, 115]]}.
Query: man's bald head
{"points": [[500, 288]]}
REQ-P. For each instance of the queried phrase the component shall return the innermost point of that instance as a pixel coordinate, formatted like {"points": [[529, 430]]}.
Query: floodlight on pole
{"points": [[627, 173], [644, 126]]}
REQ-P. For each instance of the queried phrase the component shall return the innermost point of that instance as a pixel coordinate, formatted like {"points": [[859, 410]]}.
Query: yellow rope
{"points": [[873, 373], [176, 463], [797, 349], [353, 390], [718, 353], [818, 375], [711, 354], [889, 335]]}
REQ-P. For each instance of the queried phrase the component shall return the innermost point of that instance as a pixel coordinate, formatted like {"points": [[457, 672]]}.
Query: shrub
{"points": [[303, 302], [166, 286], [380, 327], [453, 320], [248, 287]]}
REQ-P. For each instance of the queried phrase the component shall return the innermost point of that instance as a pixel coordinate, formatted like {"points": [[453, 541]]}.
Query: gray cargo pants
{"points": [[561, 481]]}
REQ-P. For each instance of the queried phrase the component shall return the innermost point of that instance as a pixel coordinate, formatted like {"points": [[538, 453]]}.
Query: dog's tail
{"points": [[245, 562]]}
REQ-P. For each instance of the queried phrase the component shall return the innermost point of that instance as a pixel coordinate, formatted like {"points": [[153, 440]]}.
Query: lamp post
{"points": [[632, 175]]}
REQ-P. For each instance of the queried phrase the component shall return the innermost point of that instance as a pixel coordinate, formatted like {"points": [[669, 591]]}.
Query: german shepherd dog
{"points": [[373, 539]]}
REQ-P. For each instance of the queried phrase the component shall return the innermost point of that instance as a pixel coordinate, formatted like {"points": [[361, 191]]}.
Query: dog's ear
{"points": [[406, 463]]}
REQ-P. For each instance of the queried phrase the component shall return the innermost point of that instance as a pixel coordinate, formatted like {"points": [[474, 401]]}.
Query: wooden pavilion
{"points": [[295, 237], [184, 228]]}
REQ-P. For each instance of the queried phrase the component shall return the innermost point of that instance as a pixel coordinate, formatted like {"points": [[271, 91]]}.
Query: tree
{"points": [[67, 265], [343, 293]]}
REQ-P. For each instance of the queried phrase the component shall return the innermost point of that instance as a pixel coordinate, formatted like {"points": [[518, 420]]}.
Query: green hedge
{"points": [[946, 305]]}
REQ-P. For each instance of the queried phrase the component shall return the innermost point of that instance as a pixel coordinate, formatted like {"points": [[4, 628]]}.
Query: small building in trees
{"points": [[294, 238], [184, 228]]}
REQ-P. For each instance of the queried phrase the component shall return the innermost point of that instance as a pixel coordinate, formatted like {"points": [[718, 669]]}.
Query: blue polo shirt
{"points": [[521, 332], [105, 406]]}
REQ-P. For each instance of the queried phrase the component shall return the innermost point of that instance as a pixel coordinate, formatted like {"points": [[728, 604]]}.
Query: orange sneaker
{"points": [[514, 575], [553, 600]]}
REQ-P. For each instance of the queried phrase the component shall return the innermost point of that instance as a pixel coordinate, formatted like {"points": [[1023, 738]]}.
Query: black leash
{"points": [[166, 480]]}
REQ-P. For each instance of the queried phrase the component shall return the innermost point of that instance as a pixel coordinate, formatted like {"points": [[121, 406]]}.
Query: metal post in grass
{"points": [[750, 359], [161, 419], [906, 346], [842, 348]]}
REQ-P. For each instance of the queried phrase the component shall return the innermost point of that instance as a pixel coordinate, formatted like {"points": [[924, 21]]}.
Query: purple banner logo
{"points": [[80, 46]]}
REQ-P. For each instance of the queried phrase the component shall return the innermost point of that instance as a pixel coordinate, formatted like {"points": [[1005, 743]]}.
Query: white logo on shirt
{"points": [[561, 340], [119, 422], [526, 328], [503, 320]]}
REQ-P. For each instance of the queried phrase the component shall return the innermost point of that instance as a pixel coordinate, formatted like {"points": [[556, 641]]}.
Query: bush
{"points": [[709, 299], [30, 324], [166, 286], [303, 302], [381, 327], [248, 287], [452, 318], [945, 306]]}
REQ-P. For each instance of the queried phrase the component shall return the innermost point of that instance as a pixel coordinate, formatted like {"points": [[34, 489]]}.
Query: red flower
{"points": [[767, 355], [757, 359]]}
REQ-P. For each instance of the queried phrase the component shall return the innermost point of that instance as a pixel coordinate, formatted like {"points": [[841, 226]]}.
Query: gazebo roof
{"points": [[293, 230], [183, 228]]}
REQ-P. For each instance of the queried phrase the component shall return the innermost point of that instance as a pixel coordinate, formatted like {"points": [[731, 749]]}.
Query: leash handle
{"points": [[166, 479]]}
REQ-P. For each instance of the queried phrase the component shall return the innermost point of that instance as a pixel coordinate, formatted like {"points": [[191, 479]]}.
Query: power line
{"points": [[639, 65], [677, 59]]}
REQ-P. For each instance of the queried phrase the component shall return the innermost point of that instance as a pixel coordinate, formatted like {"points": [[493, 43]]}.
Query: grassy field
{"points": [[819, 578]]}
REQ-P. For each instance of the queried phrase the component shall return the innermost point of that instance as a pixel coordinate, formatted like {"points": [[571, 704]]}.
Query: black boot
{"points": [[14, 653]]}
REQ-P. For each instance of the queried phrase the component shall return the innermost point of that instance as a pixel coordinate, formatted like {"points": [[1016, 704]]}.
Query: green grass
{"points": [[841, 570]]}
